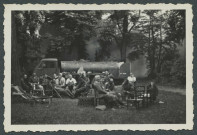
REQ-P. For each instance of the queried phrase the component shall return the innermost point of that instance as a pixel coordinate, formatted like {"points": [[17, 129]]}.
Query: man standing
{"points": [[152, 90]]}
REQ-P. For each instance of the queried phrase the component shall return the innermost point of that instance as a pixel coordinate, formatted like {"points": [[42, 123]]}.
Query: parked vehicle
{"points": [[49, 66]]}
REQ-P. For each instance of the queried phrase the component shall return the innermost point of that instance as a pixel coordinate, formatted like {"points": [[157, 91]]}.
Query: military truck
{"points": [[50, 66]]}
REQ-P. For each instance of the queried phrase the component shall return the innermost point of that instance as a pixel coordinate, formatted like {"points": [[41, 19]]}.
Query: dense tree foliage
{"points": [[155, 34], [166, 32], [118, 27], [74, 27]]}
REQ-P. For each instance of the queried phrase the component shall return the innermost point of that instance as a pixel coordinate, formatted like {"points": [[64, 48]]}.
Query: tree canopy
{"points": [[156, 34]]}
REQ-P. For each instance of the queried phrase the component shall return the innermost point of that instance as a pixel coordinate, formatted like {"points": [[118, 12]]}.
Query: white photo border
{"points": [[97, 127]]}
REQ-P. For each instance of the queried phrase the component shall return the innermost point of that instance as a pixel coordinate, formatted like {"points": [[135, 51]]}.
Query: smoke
{"points": [[139, 67], [91, 47]]}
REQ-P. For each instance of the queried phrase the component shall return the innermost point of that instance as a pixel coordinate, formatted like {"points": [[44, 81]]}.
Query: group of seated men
{"points": [[113, 98], [67, 85], [128, 87], [64, 83], [34, 82]]}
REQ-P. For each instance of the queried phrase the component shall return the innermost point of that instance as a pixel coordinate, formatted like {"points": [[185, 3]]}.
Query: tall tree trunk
{"points": [[160, 47], [153, 50], [124, 38], [149, 42], [15, 66], [123, 50]]}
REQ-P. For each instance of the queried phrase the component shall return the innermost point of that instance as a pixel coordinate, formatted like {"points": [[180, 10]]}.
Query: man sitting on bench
{"points": [[110, 98]]}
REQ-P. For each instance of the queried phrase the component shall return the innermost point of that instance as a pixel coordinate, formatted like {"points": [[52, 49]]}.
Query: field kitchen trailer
{"points": [[50, 66]]}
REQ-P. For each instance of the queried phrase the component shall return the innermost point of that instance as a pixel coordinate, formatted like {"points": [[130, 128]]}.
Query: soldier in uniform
{"points": [[83, 84]]}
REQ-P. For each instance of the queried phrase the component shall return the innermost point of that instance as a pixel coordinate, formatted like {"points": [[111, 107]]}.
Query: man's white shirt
{"points": [[131, 79], [71, 81]]}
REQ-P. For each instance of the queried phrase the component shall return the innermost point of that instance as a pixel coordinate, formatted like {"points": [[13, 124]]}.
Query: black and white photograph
{"points": [[122, 66]]}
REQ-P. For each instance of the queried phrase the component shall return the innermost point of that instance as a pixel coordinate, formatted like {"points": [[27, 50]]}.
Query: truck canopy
{"points": [[94, 67]]}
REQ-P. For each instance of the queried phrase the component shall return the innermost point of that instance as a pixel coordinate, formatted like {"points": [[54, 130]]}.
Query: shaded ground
{"points": [[66, 111], [171, 89]]}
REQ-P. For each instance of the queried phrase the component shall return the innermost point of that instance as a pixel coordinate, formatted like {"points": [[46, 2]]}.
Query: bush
{"points": [[173, 73], [178, 71]]}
